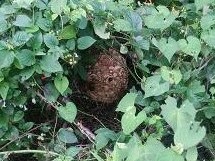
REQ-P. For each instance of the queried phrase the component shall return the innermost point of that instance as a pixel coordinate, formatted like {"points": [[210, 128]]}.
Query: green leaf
{"points": [[68, 32], [100, 30], [103, 136], [57, 6], [23, 21], [209, 37], [3, 26], [191, 134], [127, 102], [207, 21], [20, 38], [6, 58], [26, 73], [50, 92], [23, 3], [130, 122], [61, 83], [172, 76], [18, 116], [200, 4], [66, 135], [167, 47], [73, 151], [49, 63], [68, 112], [36, 41], [191, 46], [135, 21], [192, 154], [122, 25], [154, 86], [142, 43], [44, 24], [26, 57], [50, 40], [155, 151], [195, 92], [4, 87], [85, 42], [177, 117], [160, 19]]}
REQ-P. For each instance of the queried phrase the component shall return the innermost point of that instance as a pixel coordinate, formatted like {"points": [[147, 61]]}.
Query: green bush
{"points": [[167, 114]]}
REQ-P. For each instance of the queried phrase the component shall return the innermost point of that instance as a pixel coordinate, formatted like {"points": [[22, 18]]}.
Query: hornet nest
{"points": [[107, 79]]}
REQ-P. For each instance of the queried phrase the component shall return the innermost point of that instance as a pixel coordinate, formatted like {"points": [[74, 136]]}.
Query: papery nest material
{"points": [[107, 79]]}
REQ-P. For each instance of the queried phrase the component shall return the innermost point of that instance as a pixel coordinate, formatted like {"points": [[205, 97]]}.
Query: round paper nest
{"points": [[107, 79]]}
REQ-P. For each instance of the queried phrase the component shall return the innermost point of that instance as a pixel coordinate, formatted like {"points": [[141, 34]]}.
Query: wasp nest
{"points": [[107, 79]]}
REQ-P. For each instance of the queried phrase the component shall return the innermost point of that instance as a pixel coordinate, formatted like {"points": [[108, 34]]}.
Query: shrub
{"points": [[46, 48]]}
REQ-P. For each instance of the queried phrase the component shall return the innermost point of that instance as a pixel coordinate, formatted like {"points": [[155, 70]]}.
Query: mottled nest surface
{"points": [[107, 79]]}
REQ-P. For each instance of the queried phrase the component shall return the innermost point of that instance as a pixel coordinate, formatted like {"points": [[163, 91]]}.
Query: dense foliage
{"points": [[168, 111]]}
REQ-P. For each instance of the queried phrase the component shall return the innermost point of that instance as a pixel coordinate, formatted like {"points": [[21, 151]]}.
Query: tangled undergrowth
{"points": [[107, 80]]}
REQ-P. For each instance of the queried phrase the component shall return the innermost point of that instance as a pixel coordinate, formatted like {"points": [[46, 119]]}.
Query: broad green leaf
{"points": [[191, 134], [68, 32], [200, 4], [3, 26], [127, 102], [100, 30], [26, 57], [155, 86], [23, 3], [161, 19], [23, 21], [57, 6], [61, 83], [73, 151], [66, 135], [85, 42], [20, 38], [18, 116], [6, 58], [130, 122], [209, 37], [103, 136], [172, 76], [142, 43], [178, 117], [4, 87], [194, 90], [167, 47], [68, 112], [26, 73], [36, 41], [50, 40], [70, 44], [122, 25], [49, 63], [77, 14], [154, 150], [4, 120], [50, 92], [207, 21], [135, 20], [192, 154], [44, 24], [190, 46]]}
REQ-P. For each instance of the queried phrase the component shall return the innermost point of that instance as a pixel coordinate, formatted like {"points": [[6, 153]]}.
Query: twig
{"points": [[29, 151], [86, 131], [23, 135]]}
